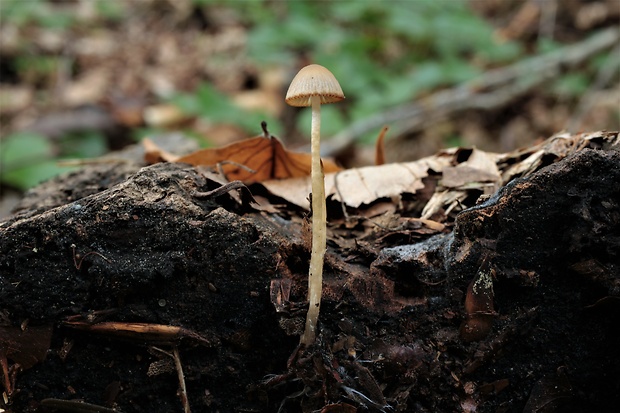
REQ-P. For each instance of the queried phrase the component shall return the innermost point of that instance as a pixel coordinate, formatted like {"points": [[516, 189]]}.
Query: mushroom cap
{"points": [[313, 80]]}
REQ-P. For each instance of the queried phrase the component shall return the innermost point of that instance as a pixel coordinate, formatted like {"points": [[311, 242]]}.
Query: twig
{"points": [[76, 406], [141, 331], [5, 373], [182, 388], [219, 191], [179, 368], [490, 90], [220, 170]]}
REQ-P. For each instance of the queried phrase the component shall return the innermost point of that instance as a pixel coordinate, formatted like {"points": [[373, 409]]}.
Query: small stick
{"points": [[76, 406], [5, 370], [183, 389], [220, 170], [219, 191], [140, 331], [266, 133]]}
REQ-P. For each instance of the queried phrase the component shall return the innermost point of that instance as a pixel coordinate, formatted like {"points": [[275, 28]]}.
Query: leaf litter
{"points": [[456, 173]]}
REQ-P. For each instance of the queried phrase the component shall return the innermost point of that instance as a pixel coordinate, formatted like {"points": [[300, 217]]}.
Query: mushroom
{"points": [[312, 86]]}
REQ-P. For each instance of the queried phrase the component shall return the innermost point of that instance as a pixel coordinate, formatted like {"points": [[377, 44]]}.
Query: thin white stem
{"points": [[319, 228]]}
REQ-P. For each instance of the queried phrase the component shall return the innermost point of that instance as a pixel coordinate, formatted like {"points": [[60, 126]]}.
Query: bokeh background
{"points": [[82, 78]]}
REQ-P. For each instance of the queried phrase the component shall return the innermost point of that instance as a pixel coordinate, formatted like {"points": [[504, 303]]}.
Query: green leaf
{"points": [[19, 11], [208, 103], [23, 148], [89, 144], [27, 177], [571, 85], [27, 160]]}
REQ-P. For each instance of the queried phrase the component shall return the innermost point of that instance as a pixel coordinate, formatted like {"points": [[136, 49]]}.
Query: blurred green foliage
{"points": [[48, 15], [383, 52], [38, 12], [26, 158], [207, 101]]}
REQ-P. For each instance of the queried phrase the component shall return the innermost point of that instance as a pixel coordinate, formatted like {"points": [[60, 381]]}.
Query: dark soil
{"points": [[131, 245]]}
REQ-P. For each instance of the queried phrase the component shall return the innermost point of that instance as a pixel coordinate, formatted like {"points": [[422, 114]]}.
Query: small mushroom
{"points": [[312, 86]]}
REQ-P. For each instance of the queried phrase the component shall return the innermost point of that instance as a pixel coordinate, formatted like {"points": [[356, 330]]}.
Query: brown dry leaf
{"points": [[525, 166], [358, 186], [478, 172], [523, 162], [364, 185], [479, 167], [255, 160]]}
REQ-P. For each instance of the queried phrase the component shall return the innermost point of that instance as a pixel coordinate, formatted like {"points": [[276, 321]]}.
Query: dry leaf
{"points": [[252, 160], [441, 199], [523, 162], [479, 167], [358, 186]]}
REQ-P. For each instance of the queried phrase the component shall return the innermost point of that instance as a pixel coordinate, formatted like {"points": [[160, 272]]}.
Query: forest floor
{"points": [[122, 284], [475, 279]]}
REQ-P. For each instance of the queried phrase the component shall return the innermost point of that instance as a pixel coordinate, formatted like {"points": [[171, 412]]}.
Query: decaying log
{"points": [[140, 249]]}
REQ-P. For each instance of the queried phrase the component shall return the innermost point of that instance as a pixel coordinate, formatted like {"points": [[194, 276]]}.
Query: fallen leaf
{"points": [[358, 186], [479, 167], [525, 161], [441, 199], [163, 116], [255, 160]]}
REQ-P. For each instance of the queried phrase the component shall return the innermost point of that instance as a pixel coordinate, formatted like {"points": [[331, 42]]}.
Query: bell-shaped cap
{"points": [[313, 80]]}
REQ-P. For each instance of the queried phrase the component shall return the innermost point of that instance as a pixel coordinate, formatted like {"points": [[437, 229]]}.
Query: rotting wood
{"points": [[397, 306]]}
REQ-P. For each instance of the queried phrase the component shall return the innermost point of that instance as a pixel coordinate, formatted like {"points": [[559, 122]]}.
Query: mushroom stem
{"points": [[319, 228], [312, 86]]}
